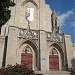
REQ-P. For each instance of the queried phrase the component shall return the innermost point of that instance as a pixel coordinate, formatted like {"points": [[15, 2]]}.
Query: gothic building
{"points": [[32, 37]]}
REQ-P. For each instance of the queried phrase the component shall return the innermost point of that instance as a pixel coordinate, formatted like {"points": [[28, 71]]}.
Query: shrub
{"points": [[16, 70]]}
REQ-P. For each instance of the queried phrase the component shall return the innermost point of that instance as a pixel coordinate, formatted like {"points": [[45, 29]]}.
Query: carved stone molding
{"points": [[28, 34], [54, 37]]}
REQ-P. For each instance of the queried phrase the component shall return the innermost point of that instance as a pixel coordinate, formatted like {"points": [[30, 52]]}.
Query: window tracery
{"points": [[53, 51], [27, 49]]}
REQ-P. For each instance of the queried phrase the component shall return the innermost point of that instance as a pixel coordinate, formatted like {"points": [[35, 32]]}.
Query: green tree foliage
{"points": [[5, 13], [16, 70]]}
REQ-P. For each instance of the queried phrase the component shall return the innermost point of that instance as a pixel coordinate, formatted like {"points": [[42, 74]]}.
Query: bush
{"points": [[16, 70]]}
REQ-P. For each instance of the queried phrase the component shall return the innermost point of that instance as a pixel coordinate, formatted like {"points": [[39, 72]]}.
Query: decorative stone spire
{"points": [[55, 28]]}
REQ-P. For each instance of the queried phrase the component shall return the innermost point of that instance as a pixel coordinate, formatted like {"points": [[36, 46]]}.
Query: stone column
{"points": [[43, 51], [11, 57]]}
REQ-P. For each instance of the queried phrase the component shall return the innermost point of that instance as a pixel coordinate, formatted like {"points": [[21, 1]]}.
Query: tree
{"points": [[5, 13]]}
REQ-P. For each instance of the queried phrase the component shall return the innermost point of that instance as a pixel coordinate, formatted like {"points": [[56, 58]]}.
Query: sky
{"points": [[65, 10]]}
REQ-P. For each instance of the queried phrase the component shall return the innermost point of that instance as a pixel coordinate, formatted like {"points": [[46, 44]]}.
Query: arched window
{"points": [[53, 52], [27, 49]]}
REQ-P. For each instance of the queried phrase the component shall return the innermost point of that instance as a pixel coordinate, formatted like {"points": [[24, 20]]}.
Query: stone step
{"points": [[52, 73]]}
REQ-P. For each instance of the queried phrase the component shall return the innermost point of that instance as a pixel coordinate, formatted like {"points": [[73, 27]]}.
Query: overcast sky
{"points": [[66, 15]]}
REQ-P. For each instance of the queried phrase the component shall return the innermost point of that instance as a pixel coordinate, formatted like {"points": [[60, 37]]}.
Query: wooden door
{"points": [[26, 59], [53, 62]]}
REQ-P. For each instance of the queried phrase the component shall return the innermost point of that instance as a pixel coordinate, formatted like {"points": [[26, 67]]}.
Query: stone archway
{"points": [[32, 1], [28, 54], [53, 59], [56, 57], [27, 57]]}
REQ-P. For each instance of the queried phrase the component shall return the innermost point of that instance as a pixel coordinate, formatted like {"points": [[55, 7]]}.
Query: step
{"points": [[52, 73]]}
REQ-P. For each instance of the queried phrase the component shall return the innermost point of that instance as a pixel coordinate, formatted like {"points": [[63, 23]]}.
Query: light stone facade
{"points": [[74, 49], [73, 61], [41, 36], [2, 44]]}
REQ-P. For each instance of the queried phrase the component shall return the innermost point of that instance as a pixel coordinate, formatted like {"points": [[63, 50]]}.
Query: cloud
{"points": [[73, 23], [63, 17]]}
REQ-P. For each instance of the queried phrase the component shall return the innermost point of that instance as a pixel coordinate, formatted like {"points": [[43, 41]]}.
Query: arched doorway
{"points": [[28, 54], [53, 59], [27, 57], [56, 58]]}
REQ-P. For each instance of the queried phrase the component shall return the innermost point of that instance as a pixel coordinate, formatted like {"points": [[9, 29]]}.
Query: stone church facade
{"points": [[32, 37]]}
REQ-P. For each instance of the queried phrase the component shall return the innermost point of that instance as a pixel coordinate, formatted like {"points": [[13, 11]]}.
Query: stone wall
{"points": [[52, 73], [43, 51], [69, 49], [73, 65], [2, 43], [42, 15], [11, 56], [74, 50]]}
